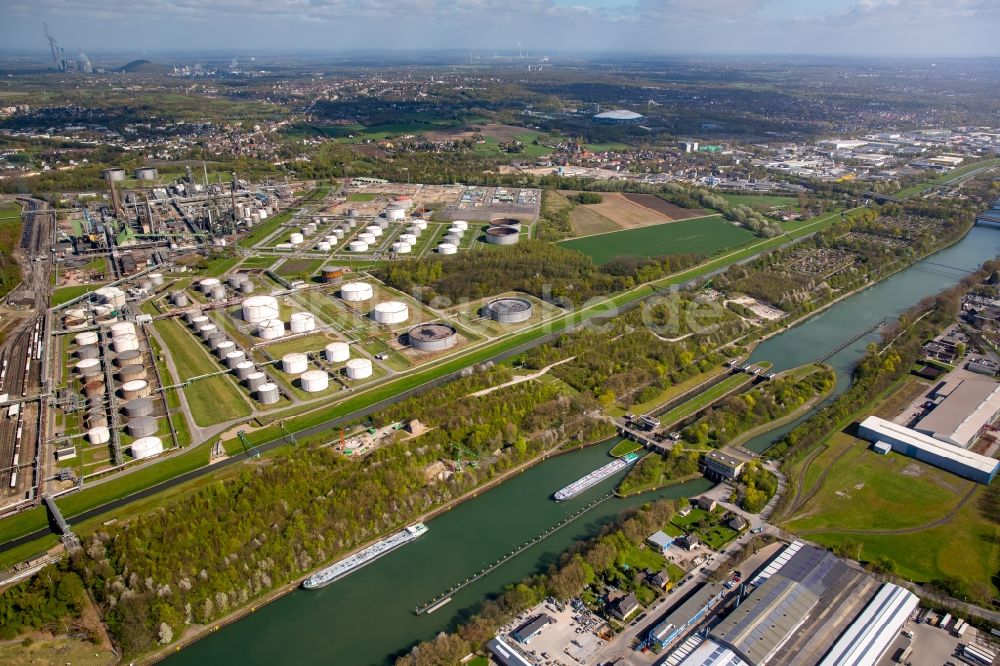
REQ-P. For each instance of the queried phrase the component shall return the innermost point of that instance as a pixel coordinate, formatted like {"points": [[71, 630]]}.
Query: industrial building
{"points": [[618, 117], [872, 632], [685, 615], [925, 448], [721, 465], [962, 407], [531, 628], [505, 654]]}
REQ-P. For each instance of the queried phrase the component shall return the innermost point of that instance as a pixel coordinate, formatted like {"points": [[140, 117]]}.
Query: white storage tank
{"points": [[447, 248], [314, 381], [99, 435], [199, 321], [395, 214], [142, 426], [460, 224], [358, 368], [89, 366], [337, 352], [402, 248], [296, 238], [391, 312], [294, 363], [156, 279], [234, 358], [255, 380], [268, 394], [137, 388], [411, 239], [356, 291], [358, 246], [218, 292], [374, 230], [420, 224], [366, 237], [323, 246], [208, 284], [207, 330], [271, 329], [86, 338], [244, 369], [224, 347], [259, 308], [179, 298], [146, 447], [302, 322], [456, 231], [126, 342]]}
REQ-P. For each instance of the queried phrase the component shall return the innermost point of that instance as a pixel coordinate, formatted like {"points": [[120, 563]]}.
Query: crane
{"points": [[57, 50]]}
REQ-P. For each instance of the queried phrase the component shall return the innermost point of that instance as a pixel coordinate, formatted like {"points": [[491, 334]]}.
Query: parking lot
{"points": [[571, 638]]}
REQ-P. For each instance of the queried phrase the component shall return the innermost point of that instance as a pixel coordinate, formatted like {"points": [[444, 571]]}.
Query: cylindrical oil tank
{"points": [[112, 296], [97, 418], [460, 224], [89, 367], [395, 214], [198, 321], [358, 368], [218, 292], [337, 352], [271, 329], [502, 235], [432, 337], [180, 299], [243, 369], [73, 324], [129, 357], [103, 320], [85, 338], [314, 381], [208, 284], [296, 238], [456, 231], [366, 237], [156, 279], [206, 331], [191, 315], [131, 372], [346, 227], [420, 224], [408, 238], [302, 322], [146, 285], [246, 287], [391, 312], [142, 426], [323, 246], [447, 248], [146, 447], [76, 313], [294, 363], [138, 407], [234, 358], [99, 310], [236, 279], [125, 343], [511, 222], [115, 174], [255, 380], [337, 233], [99, 435], [374, 230], [402, 248], [214, 339], [94, 388], [352, 212], [452, 239], [509, 310], [137, 388], [223, 348], [268, 394], [331, 273], [88, 351], [146, 173], [356, 291], [259, 308]]}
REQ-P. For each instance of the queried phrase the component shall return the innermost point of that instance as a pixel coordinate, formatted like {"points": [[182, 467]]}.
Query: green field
{"points": [[705, 398], [66, 294], [704, 235], [761, 202]]}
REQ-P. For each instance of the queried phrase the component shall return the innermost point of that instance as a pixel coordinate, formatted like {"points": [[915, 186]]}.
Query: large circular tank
{"points": [[509, 310], [198, 321], [259, 308], [156, 279], [358, 368], [94, 388], [76, 313], [337, 352], [390, 312], [447, 248], [137, 388], [131, 372], [102, 320], [460, 224], [452, 239], [138, 407], [86, 338], [420, 224], [314, 381], [246, 287], [89, 366], [224, 347], [356, 291], [402, 248], [335, 235], [271, 329], [73, 324], [207, 330], [180, 299], [88, 351], [206, 285], [125, 343], [395, 214], [432, 337], [129, 357], [502, 235], [408, 238], [302, 322], [323, 246], [122, 328], [366, 237], [112, 296], [115, 174], [243, 369], [191, 315], [146, 173], [296, 238], [456, 231], [268, 394], [142, 426], [218, 292], [145, 285], [234, 358], [511, 222], [358, 246], [236, 279], [255, 380], [97, 418], [146, 447], [422, 212], [99, 435], [215, 339], [372, 229], [294, 363]]}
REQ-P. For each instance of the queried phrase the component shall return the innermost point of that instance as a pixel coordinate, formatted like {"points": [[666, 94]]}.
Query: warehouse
{"points": [[505, 654], [927, 449], [871, 634], [618, 117], [963, 407], [720, 465], [685, 615]]}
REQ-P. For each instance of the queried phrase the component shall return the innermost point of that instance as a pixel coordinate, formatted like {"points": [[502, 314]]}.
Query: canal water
{"points": [[367, 618]]}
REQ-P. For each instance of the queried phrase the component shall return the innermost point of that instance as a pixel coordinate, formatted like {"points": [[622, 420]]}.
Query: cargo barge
{"points": [[338, 570], [595, 477]]}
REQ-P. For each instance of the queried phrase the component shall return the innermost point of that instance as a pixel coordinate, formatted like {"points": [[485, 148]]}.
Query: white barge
{"points": [[359, 559]]}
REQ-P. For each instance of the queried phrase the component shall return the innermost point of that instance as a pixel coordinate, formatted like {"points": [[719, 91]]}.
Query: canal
{"points": [[367, 618]]}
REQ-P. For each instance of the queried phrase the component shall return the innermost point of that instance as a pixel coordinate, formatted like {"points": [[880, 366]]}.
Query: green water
{"points": [[367, 618]]}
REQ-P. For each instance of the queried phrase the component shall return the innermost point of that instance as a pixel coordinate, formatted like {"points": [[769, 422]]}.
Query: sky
{"points": [[922, 28]]}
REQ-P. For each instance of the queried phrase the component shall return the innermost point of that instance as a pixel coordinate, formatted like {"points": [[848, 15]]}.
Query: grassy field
{"points": [[761, 202], [667, 394], [66, 294], [705, 235], [213, 399], [705, 398]]}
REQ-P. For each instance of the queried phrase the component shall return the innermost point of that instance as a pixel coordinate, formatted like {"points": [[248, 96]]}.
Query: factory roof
{"points": [[618, 114], [710, 653], [893, 431], [874, 630], [725, 458], [690, 608], [965, 409], [507, 655]]}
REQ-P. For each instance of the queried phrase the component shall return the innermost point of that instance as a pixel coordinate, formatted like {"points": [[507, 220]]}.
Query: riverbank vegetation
{"points": [[655, 471]]}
